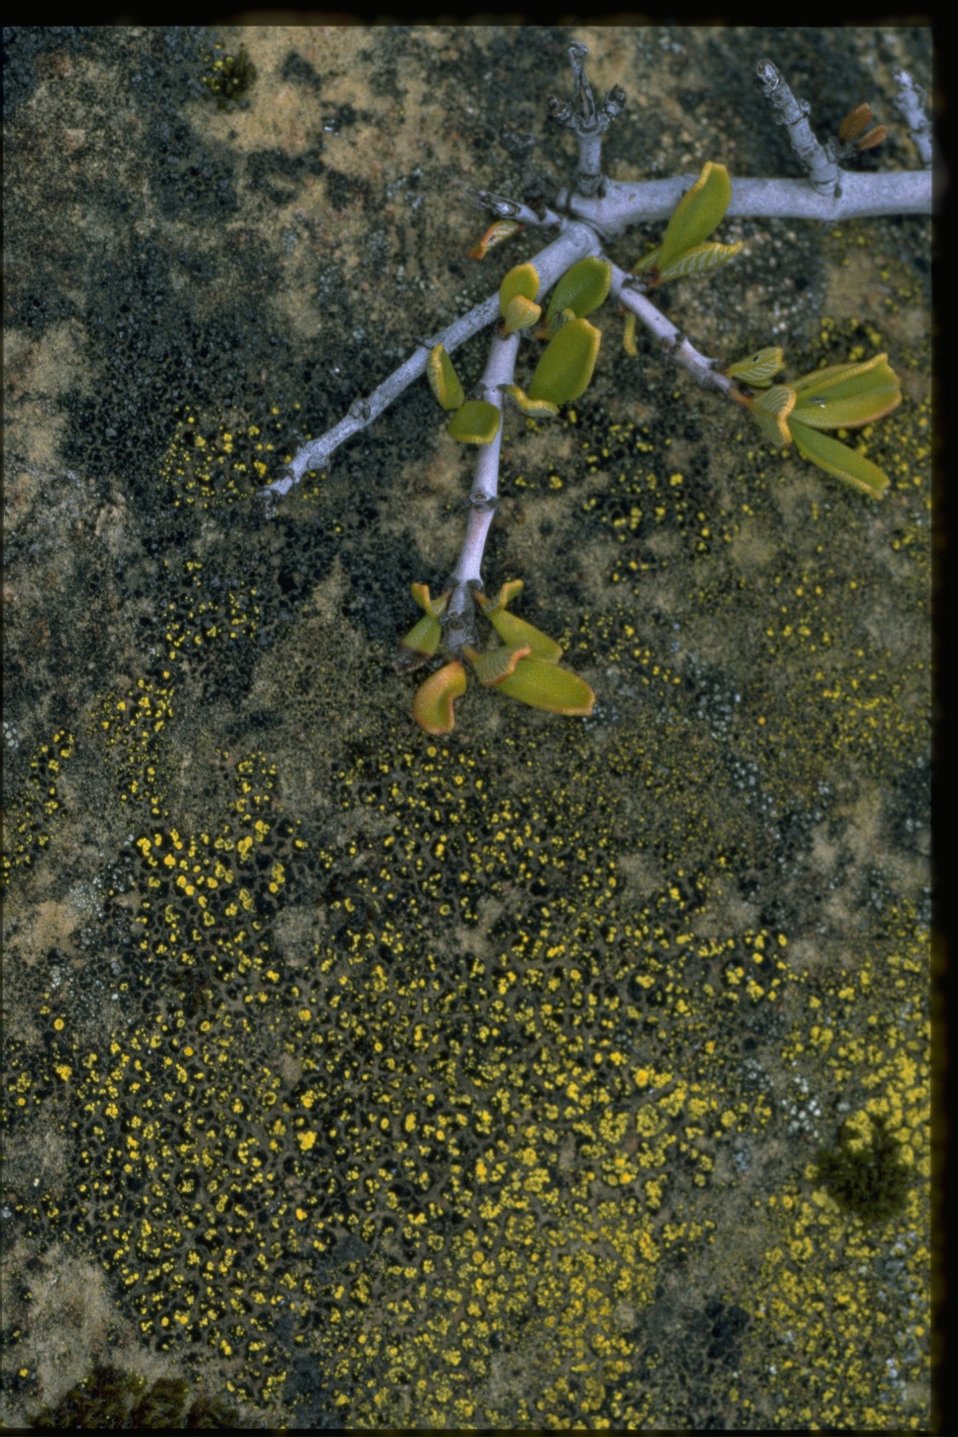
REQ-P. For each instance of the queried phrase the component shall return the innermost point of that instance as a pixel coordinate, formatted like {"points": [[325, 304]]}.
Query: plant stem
{"points": [[911, 106], [483, 501], [680, 349], [823, 172], [575, 242], [896, 192], [506, 209], [587, 122]]}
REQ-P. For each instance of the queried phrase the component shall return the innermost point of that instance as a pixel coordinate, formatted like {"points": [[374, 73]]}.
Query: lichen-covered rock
{"points": [[363, 1078]]}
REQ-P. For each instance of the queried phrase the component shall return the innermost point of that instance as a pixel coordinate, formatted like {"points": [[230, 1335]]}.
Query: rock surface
{"points": [[361, 1079]]}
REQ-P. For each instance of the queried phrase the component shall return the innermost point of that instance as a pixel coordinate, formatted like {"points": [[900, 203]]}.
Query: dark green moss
{"points": [[103, 1399], [229, 77], [211, 1414], [109, 1399], [162, 1404], [870, 1182]]}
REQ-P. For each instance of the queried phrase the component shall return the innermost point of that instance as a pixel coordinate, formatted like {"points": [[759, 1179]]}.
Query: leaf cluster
{"points": [[565, 367], [523, 665], [837, 396]]}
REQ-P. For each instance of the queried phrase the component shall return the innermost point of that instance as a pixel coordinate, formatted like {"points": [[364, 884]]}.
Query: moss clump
{"points": [[108, 1399], [868, 1180], [228, 77]]}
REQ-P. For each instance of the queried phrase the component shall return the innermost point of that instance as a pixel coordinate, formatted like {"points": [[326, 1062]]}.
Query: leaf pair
{"points": [[857, 133], [564, 370], [524, 667], [566, 365], [423, 638], [517, 296], [839, 396], [583, 288], [474, 421], [683, 251]]}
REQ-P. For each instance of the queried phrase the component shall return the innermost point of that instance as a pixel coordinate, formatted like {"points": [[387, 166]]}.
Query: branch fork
{"points": [[598, 208], [588, 219], [587, 122]]}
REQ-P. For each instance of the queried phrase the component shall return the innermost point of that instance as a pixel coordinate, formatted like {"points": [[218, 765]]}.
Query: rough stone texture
{"points": [[367, 1079]]}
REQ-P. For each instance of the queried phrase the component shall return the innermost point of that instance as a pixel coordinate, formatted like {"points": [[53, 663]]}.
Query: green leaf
{"points": [[520, 313], [564, 371], [535, 408], [515, 632], [759, 369], [522, 279], [700, 260], [696, 215], [516, 298], [507, 592], [420, 643], [770, 412], [429, 605], [845, 396], [433, 707], [582, 288], [477, 422], [423, 638], [838, 459], [648, 261], [493, 666], [544, 685], [832, 374], [443, 379]]}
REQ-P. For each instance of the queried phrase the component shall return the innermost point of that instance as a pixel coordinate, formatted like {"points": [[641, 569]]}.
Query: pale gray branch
{"points": [[587, 122], [505, 209], [892, 192], [574, 243], [678, 347], [823, 172], [483, 501]]}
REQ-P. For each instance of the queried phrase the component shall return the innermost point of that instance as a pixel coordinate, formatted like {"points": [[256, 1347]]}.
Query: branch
{"points": [[587, 122], [895, 192], [506, 209], [574, 243], [823, 172], [910, 101], [680, 349], [483, 500]]}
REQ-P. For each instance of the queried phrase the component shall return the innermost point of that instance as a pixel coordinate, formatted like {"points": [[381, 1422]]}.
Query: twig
{"points": [[680, 349], [574, 243], [587, 122], [823, 172], [483, 500], [506, 209]]}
